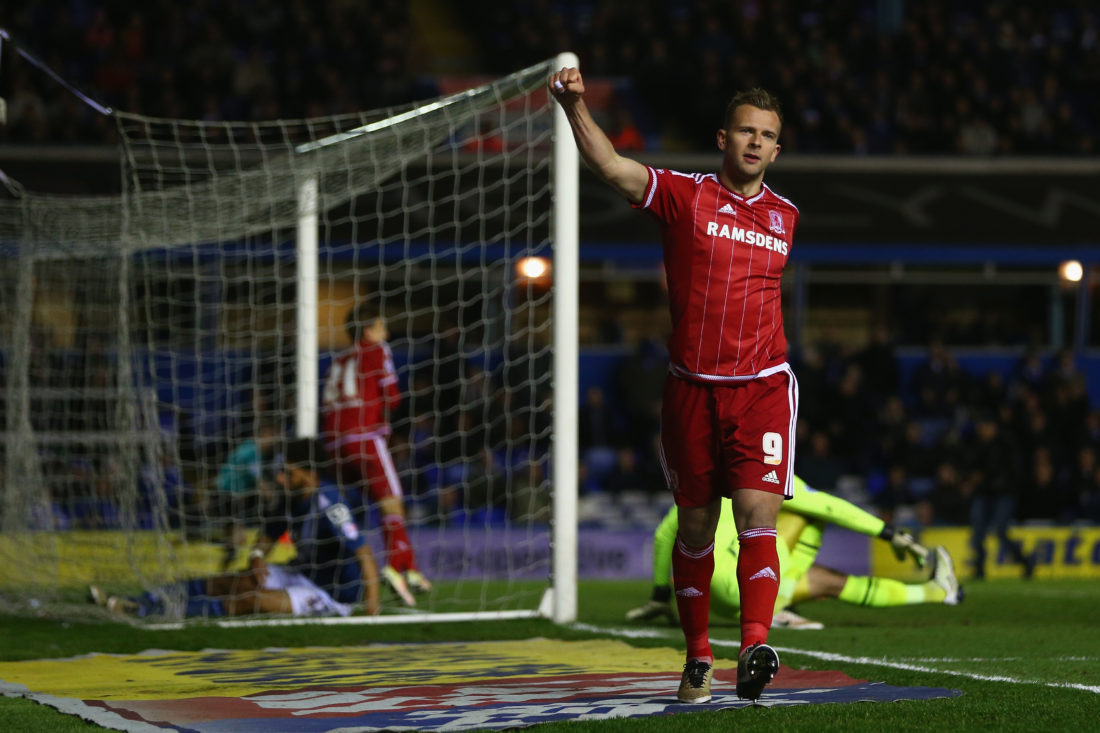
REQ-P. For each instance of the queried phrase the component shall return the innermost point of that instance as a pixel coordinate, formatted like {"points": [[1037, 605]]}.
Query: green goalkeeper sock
{"points": [[863, 590]]}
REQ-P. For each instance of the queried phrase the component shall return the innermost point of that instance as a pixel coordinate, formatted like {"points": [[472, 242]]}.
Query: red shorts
{"points": [[717, 438], [366, 464]]}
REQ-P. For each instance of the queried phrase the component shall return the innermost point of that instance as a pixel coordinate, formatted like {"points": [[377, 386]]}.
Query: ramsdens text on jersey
{"points": [[748, 236]]}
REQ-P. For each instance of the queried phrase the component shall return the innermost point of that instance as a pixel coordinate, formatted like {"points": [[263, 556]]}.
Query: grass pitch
{"points": [[1026, 655]]}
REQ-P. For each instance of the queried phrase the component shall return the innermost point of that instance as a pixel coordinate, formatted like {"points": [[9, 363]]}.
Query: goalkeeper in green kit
{"points": [[800, 526]]}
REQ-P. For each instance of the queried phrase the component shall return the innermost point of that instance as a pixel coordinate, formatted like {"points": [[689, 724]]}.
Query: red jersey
{"points": [[360, 386], [724, 257]]}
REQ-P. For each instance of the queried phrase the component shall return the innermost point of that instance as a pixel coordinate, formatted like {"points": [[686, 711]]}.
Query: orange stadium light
{"points": [[535, 269], [1071, 271]]}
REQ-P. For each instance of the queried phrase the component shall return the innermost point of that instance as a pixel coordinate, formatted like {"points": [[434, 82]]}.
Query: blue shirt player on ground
{"points": [[333, 569], [331, 549]]}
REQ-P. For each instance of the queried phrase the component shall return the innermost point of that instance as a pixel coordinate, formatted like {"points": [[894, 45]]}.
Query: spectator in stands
{"points": [[851, 417], [529, 500], [820, 465], [640, 380], [994, 475], [598, 425], [920, 460], [858, 91], [949, 501], [990, 392], [1087, 492], [1083, 491], [814, 388], [418, 472], [600, 430], [1067, 401], [938, 384], [1035, 430], [880, 368], [891, 426], [1029, 373], [633, 473], [623, 133], [1046, 495]]}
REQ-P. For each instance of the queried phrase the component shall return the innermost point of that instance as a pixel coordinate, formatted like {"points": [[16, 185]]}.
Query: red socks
{"points": [[757, 579], [691, 575], [399, 552], [758, 582]]}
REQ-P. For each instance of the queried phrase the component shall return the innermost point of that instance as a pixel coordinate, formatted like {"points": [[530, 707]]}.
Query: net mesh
{"points": [[149, 339]]}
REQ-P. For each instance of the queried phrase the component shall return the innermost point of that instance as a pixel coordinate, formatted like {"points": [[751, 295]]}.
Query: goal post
{"points": [[236, 252], [566, 358]]}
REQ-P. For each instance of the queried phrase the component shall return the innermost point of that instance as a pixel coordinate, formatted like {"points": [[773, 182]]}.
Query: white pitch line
{"points": [[961, 660], [833, 657]]}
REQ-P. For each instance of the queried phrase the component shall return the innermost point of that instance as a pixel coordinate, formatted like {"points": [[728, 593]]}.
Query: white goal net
{"points": [[160, 349]]}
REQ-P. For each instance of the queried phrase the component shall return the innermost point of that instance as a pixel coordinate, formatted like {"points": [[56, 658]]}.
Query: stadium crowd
{"points": [[927, 446], [259, 60], [856, 76], [917, 448]]}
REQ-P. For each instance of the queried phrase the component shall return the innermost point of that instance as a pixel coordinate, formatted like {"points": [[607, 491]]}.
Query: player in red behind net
{"points": [[730, 398], [360, 388]]}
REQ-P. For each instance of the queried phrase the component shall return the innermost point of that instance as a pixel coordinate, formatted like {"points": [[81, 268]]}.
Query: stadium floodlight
{"points": [[533, 268], [146, 335], [1071, 271]]}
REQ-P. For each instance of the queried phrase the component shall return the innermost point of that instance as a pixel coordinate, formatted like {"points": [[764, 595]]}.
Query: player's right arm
{"points": [[810, 502], [628, 177], [257, 558]]}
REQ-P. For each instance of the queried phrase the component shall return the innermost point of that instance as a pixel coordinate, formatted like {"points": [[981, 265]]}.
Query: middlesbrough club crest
{"points": [[776, 222]]}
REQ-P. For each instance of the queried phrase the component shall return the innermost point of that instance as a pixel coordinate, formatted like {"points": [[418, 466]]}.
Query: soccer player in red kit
{"points": [[360, 388], [730, 399]]}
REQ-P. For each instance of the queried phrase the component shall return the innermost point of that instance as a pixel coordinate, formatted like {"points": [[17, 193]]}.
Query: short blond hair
{"points": [[757, 97]]}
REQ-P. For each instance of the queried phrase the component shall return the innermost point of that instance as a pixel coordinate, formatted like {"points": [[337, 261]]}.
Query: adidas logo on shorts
{"points": [[770, 477]]}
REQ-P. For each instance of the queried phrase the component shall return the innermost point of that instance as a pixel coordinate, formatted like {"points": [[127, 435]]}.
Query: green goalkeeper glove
{"points": [[904, 544]]}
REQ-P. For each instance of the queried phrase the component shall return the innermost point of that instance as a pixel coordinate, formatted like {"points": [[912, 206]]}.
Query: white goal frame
{"points": [[560, 601], [168, 176]]}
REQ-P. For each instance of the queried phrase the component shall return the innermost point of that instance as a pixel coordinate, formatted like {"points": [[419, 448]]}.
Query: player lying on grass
{"points": [[333, 568], [284, 591], [801, 525]]}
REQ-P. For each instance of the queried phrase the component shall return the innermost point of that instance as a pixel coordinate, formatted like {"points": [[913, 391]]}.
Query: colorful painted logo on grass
{"points": [[474, 686]]}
